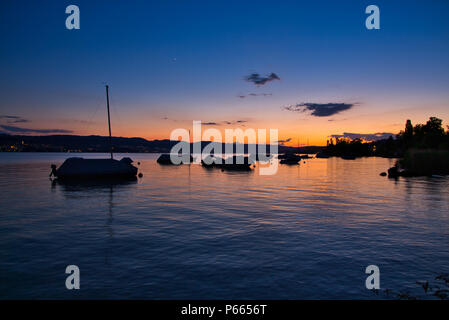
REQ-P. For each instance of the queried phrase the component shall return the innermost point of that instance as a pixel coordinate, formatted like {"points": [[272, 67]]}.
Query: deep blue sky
{"points": [[185, 60]]}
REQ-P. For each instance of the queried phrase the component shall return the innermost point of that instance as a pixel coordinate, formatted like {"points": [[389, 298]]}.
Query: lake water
{"points": [[187, 232]]}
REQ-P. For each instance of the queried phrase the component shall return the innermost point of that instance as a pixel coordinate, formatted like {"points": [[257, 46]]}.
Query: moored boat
{"points": [[291, 159], [237, 163], [74, 168], [80, 168], [165, 159]]}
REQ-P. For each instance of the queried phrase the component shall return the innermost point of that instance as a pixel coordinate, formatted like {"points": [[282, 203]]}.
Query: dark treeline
{"points": [[424, 136], [73, 143], [430, 135], [423, 149]]}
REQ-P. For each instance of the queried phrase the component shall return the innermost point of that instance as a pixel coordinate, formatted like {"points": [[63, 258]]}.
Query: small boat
{"points": [[73, 168], [165, 159], [80, 168], [211, 161], [238, 163], [291, 159], [261, 156]]}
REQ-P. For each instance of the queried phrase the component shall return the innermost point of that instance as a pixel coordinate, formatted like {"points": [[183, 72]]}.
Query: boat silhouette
{"points": [[290, 158], [234, 163], [80, 168], [165, 159]]}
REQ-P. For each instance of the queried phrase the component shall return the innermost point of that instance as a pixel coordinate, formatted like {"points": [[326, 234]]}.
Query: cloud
{"points": [[258, 80], [320, 109], [284, 141], [365, 136], [9, 117], [13, 129], [255, 95], [226, 122], [13, 119], [337, 120], [260, 94], [281, 142], [19, 121]]}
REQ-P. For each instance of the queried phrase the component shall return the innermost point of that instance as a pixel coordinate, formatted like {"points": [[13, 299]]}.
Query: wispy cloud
{"points": [[226, 122], [13, 119], [331, 120], [15, 130], [9, 117], [365, 136], [281, 142], [320, 109], [255, 95], [259, 80]]}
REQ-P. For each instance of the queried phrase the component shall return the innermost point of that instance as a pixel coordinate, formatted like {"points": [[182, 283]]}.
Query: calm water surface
{"points": [[188, 232]]}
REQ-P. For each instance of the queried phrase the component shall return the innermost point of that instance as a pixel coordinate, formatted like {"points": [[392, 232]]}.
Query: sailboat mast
{"points": [[109, 118]]}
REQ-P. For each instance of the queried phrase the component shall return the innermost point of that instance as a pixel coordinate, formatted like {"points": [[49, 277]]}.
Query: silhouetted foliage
{"points": [[424, 149], [424, 136], [429, 136], [344, 146]]}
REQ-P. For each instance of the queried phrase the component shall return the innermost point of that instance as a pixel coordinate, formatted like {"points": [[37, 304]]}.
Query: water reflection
{"points": [[191, 232], [91, 185], [97, 188]]}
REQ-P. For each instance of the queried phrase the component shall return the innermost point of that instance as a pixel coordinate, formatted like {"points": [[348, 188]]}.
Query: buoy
{"points": [[383, 174], [140, 175]]}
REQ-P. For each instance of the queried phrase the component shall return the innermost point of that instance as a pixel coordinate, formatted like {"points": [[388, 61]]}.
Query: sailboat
{"points": [[80, 168], [290, 157]]}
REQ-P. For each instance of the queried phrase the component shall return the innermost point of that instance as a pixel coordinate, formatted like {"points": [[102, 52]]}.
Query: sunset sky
{"points": [[320, 72]]}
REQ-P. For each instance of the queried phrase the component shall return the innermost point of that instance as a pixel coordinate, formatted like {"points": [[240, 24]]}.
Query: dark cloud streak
{"points": [[365, 136], [258, 80], [13, 129], [224, 123], [255, 95], [281, 142], [320, 109], [13, 119]]}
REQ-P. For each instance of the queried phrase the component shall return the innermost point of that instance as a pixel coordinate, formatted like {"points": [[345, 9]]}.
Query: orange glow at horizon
{"points": [[312, 131]]}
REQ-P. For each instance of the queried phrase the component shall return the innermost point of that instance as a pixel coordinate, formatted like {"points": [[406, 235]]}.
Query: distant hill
{"points": [[74, 143]]}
